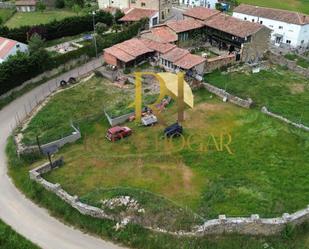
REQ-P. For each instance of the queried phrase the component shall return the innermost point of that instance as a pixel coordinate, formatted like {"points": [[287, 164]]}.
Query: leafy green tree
{"points": [[76, 8], [1, 21], [116, 27], [40, 6], [101, 28], [36, 43], [118, 14], [59, 4]]}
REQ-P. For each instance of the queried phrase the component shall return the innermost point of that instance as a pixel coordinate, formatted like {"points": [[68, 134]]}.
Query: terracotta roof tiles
{"points": [[136, 14], [201, 13], [184, 25]]}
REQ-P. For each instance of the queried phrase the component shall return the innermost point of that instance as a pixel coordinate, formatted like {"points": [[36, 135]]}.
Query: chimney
{"points": [[304, 19]]}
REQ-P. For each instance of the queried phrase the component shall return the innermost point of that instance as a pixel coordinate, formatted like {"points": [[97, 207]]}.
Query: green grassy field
{"points": [[5, 14], [281, 91], [33, 18], [262, 175], [293, 5], [9, 239]]}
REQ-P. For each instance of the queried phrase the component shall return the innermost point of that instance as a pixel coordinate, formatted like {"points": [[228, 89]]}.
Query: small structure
{"points": [[127, 53], [289, 28], [10, 47], [200, 13], [179, 59], [136, 14], [25, 5]]}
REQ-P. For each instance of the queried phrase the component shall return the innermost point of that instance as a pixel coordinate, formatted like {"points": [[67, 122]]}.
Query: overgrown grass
{"points": [[293, 5], [281, 91], [5, 14], [133, 235], [299, 60], [9, 239], [34, 18]]}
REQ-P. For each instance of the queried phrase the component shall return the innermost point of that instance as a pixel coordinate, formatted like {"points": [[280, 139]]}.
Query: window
{"points": [[133, 1], [288, 41], [271, 26], [302, 42], [17, 45], [280, 27], [245, 18], [143, 4], [252, 20], [261, 22]]}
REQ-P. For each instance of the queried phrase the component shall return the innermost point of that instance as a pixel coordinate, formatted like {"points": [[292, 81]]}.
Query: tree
{"points": [[59, 4], [40, 6], [76, 8], [101, 27], [36, 43], [1, 21], [118, 14], [116, 27]]}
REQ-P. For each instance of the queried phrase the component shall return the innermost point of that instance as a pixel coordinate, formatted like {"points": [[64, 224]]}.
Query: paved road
{"points": [[25, 217]]}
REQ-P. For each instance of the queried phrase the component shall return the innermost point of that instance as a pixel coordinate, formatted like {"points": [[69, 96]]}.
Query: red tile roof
{"points": [[136, 14], [128, 50], [161, 34], [158, 46], [233, 26], [189, 60], [6, 46], [201, 13], [274, 14], [175, 54], [25, 3], [184, 25]]}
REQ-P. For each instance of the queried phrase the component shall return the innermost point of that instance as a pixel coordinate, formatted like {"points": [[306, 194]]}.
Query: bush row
{"points": [[22, 67], [57, 29]]}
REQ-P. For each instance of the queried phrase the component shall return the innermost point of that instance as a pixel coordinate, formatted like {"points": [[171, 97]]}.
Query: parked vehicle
{"points": [[173, 130], [149, 120], [116, 133]]}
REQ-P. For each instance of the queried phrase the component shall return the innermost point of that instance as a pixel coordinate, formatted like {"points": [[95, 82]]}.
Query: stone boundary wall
{"points": [[23, 149], [292, 65], [118, 120], [229, 97], [219, 62], [253, 225], [47, 75], [300, 126]]}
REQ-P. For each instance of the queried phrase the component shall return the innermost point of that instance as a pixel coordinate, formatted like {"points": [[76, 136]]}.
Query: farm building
{"points": [[10, 47], [288, 28], [127, 53], [200, 13], [161, 34], [136, 14], [25, 5]]}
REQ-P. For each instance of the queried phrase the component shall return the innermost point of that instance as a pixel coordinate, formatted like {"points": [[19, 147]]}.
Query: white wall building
{"points": [[10, 47], [211, 4], [120, 4], [288, 28]]}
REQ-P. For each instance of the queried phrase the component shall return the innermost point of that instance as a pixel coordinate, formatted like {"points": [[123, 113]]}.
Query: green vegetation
{"points": [[262, 175], [5, 14], [293, 5], [299, 60], [281, 91], [34, 18], [10, 239]]}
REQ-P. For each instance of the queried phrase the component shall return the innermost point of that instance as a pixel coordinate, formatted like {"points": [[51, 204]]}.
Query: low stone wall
{"points": [[300, 126], [219, 62], [253, 225], [118, 120], [23, 149], [292, 65], [229, 97]]}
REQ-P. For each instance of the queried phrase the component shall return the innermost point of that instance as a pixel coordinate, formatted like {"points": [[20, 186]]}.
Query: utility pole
{"points": [[94, 38]]}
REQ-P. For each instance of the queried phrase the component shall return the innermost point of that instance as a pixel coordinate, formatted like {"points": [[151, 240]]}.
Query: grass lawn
{"points": [[10, 239], [281, 91], [5, 14], [293, 5], [33, 18], [299, 60], [172, 181], [264, 175]]}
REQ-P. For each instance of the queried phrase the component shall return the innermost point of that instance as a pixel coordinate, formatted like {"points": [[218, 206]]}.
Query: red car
{"points": [[115, 133]]}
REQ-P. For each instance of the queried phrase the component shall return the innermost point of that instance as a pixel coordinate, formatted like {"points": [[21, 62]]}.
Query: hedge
{"points": [[56, 29], [22, 67]]}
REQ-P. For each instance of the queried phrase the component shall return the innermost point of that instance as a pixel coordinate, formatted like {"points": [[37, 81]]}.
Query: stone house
{"points": [[136, 14], [25, 5]]}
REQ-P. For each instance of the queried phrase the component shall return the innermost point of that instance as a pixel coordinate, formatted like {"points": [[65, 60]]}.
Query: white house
{"points": [[211, 4], [288, 27], [25, 5], [10, 47]]}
